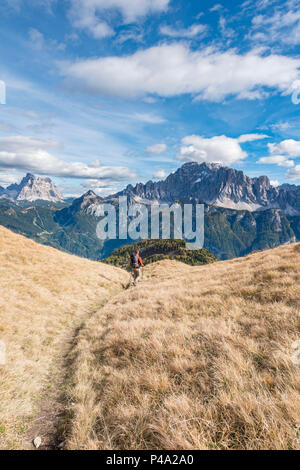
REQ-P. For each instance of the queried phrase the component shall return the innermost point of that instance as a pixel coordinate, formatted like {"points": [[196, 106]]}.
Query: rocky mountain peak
{"points": [[216, 185], [89, 203], [89, 198], [33, 188], [89, 194]]}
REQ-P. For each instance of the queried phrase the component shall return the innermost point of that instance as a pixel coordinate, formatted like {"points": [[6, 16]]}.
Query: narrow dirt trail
{"points": [[50, 422], [51, 405], [48, 419], [45, 295]]}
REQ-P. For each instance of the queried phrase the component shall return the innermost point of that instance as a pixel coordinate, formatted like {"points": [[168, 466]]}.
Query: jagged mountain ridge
{"points": [[217, 185], [33, 188], [228, 232]]}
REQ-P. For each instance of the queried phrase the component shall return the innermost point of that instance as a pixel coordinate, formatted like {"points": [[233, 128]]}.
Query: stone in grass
{"points": [[37, 442]]}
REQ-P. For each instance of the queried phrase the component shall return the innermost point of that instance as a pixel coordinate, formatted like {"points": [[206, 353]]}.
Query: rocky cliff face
{"points": [[33, 188], [219, 186], [210, 184], [89, 203]]}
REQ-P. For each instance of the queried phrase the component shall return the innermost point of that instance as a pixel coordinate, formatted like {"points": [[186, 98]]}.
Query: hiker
{"points": [[136, 264]]}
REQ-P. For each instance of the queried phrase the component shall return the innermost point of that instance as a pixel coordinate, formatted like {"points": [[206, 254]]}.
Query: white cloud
{"points": [[289, 147], [134, 33], [279, 160], [37, 39], [28, 144], [275, 183], [160, 174], [156, 149], [148, 118], [38, 42], [294, 174], [218, 149], [90, 15], [281, 153], [8, 178], [103, 192], [251, 137], [150, 99], [216, 7], [101, 188], [253, 95], [281, 126], [26, 153], [96, 184], [283, 26], [174, 69], [225, 30], [193, 31]]}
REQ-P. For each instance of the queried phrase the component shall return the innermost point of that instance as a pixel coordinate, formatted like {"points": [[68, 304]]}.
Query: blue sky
{"points": [[102, 93]]}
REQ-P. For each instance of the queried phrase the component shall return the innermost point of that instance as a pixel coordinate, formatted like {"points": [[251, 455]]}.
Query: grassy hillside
{"points": [[45, 295], [157, 250], [193, 358]]}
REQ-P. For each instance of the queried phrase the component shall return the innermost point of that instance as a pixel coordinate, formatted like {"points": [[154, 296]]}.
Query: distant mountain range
{"points": [[219, 186], [242, 214], [32, 188], [208, 183]]}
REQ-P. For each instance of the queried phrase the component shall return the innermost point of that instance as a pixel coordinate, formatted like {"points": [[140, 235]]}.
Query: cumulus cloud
{"points": [[90, 14], [279, 160], [217, 149], [173, 69], [160, 174], [156, 149], [289, 147], [193, 31], [294, 174], [26, 153], [275, 183], [281, 153]]}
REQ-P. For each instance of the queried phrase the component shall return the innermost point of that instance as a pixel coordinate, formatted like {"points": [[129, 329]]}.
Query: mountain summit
{"points": [[33, 188], [217, 185]]}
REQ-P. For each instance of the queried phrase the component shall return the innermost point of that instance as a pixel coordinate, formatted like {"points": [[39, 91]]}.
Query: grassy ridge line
{"points": [[157, 250], [194, 358], [45, 294]]}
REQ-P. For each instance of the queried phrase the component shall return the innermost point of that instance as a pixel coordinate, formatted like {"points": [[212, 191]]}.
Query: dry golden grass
{"points": [[45, 294], [193, 358]]}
